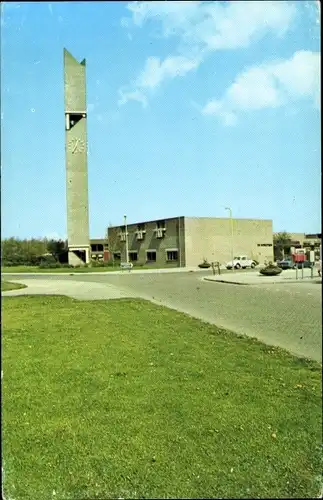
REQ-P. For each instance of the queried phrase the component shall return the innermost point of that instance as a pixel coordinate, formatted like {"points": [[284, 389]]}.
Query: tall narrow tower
{"points": [[76, 161]]}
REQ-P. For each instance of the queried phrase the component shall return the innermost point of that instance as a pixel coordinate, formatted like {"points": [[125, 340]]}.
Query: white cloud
{"points": [[300, 74], [240, 23], [134, 95], [254, 89], [219, 25], [203, 27], [269, 85], [216, 108], [154, 73]]}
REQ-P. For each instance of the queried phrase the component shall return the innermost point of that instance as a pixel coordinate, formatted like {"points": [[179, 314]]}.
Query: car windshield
{"points": [[236, 258]]}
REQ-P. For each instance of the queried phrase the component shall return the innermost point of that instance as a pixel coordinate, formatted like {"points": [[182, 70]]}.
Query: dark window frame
{"points": [[151, 252], [170, 259], [130, 255]]}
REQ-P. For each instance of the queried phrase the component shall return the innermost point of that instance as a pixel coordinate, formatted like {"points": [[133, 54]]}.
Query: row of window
{"points": [[96, 247], [264, 244], [160, 224], [151, 256]]}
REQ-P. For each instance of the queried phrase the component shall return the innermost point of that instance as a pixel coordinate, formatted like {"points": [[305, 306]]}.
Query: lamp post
{"points": [[231, 222], [126, 233]]}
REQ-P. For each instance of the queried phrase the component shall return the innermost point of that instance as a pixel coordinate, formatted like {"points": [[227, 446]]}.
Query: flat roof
{"points": [[188, 217], [314, 236]]}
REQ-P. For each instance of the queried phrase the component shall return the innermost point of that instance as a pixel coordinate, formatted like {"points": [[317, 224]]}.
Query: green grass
{"points": [[7, 285], [123, 398], [36, 269]]}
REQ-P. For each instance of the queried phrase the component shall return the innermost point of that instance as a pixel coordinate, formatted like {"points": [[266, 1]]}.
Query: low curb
{"points": [[284, 281], [225, 281]]}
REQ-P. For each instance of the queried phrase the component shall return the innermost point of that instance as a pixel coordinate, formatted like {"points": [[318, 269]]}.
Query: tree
{"points": [[56, 248], [113, 242], [282, 242], [15, 252]]}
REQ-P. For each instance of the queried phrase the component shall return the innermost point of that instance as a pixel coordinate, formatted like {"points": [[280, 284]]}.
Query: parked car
{"points": [[242, 261], [286, 264], [290, 264]]}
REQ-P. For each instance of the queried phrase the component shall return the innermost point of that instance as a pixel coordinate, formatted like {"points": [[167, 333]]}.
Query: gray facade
{"points": [[158, 243], [186, 241], [76, 160]]}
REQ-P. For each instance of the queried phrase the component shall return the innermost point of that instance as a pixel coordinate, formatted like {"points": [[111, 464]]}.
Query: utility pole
{"points": [[126, 233], [231, 223]]}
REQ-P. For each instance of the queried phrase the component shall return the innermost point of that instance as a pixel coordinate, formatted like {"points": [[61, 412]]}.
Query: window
{"points": [[151, 256], [172, 255], [97, 247], [141, 227], [264, 244], [117, 256], [133, 256]]}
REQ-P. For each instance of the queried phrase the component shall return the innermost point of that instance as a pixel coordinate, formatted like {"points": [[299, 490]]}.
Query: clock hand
{"points": [[75, 146]]}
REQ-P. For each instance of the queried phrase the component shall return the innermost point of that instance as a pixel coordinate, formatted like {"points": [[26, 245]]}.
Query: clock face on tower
{"points": [[76, 146]]}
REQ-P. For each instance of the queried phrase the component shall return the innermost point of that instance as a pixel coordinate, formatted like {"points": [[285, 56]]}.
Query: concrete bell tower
{"points": [[76, 161]]}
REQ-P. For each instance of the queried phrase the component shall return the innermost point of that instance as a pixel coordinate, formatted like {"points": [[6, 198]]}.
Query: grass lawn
{"points": [[7, 285], [36, 269], [123, 398]]}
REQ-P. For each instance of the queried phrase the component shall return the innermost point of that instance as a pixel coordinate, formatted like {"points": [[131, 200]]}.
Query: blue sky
{"points": [[192, 107]]}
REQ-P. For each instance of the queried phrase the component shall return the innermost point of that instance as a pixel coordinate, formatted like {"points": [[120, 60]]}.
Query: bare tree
{"points": [[112, 239]]}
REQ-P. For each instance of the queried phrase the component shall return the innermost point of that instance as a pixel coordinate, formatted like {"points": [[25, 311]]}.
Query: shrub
{"points": [[16, 252], [95, 263], [49, 265], [101, 263], [205, 264], [270, 270], [47, 259]]}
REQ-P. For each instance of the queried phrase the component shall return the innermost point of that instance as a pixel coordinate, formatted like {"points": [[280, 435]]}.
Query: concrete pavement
{"points": [[255, 278], [286, 314], [70, 288]]}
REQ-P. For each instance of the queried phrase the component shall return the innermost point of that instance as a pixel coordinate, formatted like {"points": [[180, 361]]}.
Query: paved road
{"points": [[288, 315]]}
